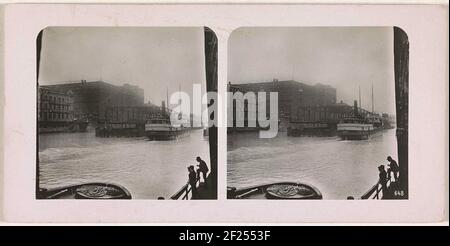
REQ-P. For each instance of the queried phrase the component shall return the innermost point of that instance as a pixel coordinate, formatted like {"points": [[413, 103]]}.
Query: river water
{"points": [[337, 168], [148, 169]]}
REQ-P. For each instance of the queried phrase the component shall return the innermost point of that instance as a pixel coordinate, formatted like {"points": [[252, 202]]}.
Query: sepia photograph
{"points": [[110, 124], [113, 111], [317, 113]]}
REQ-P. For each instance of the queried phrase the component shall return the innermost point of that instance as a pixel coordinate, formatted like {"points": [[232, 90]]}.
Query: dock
{"points": [[205, 191]]}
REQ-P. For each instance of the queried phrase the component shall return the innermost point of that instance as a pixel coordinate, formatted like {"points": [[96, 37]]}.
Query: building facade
{"points": [[293, 96], [55, 108], [92, 99]]}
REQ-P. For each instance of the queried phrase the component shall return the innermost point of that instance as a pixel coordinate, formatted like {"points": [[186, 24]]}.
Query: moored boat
{"points": [[354, 129], [161, 130], [86, 191], [280, 190]]}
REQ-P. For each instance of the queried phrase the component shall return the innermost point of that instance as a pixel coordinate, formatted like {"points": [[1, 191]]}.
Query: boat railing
{"points": [[376, 191], [185, 192]]}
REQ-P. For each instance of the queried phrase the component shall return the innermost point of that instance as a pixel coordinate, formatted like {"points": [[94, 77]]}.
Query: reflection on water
{"points": [[148, 169], [337, 168]]}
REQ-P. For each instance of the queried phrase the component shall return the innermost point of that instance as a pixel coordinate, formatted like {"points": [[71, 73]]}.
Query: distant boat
{"points": [[279, 191], [161, 130], [86, 191], [354, 129]]}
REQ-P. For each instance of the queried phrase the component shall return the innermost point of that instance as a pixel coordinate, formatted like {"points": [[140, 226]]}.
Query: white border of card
{"points": [[427, 29]]}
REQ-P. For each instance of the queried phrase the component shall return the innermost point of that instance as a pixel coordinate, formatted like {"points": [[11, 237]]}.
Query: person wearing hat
{"points": [[392, 167], [382, 179], [192, 181], [202, 168]]}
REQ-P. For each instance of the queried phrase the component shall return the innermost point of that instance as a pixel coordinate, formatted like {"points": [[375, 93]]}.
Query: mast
{"points": [[372, 98], [180, 115], [167, 97]]}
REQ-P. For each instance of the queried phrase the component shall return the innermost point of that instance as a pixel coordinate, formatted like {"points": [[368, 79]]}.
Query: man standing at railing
{"points": [[382, 180], [202, 168], [193, 181], [392, 167]]}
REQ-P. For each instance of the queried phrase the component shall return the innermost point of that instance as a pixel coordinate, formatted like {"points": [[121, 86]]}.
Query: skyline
{"points": [[346, 58], [142, 56]]}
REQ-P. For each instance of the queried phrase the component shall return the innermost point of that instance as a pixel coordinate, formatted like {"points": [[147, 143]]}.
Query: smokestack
{"points": [[163, 106], [355, 107], [359, 92]]}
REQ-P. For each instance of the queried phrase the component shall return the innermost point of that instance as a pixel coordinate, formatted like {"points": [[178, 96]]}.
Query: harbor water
{"points": [[148, 169], [337, 168]]}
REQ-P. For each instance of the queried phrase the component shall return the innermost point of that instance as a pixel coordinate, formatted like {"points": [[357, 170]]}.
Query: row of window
{"points": [[54, 107], [56, 99], [61, 116]]}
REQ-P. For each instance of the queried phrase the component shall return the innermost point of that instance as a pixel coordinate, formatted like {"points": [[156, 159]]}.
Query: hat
{"points": [[381, 167]]}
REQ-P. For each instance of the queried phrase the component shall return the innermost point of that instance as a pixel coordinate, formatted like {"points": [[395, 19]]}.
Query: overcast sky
{"points": [[155, 59], [343, 57]]}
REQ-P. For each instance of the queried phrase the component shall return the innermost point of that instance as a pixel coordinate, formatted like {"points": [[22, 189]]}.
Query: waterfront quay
{"points": [[109, 109], [303, 109]]}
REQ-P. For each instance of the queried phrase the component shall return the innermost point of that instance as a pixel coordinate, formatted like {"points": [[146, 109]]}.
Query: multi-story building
{"points": [[292, 95], [55, 108], [92, 99]]}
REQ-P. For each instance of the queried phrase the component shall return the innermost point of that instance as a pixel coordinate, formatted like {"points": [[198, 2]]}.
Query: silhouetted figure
{"points": [[392, 167], [382, 179], [202, 168], [193, 181]]}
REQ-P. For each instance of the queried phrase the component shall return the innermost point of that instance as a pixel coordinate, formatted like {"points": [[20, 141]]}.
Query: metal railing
{"points": [[376, 191], [185, 191]]}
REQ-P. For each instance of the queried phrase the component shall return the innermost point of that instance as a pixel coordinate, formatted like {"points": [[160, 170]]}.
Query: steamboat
{"points": [[162, 130]]}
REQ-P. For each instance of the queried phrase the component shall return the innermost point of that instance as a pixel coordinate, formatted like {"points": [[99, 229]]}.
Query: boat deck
{"points": [[394, 190], [280, 190], [205, 191]]}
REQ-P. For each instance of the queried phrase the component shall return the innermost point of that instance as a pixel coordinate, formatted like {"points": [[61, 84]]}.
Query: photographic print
{"points": [[317, 113], [107, 107], [110, 124]]}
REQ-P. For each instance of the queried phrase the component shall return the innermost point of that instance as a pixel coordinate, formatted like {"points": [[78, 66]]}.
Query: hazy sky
{"points": [[155, 59], [343, 57]]}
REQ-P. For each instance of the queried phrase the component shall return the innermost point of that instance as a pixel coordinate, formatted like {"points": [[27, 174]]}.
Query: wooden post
{"points": [[401, 70], [38, 58], [211, 86]]}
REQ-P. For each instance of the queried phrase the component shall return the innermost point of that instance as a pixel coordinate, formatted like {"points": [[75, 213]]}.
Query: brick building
{"points": [[55, 108], [292, 95], [92, 99]]}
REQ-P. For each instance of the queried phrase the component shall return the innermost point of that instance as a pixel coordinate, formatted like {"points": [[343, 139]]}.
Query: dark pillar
{"points": [[211, 86], [401, 65], [38, 60]]}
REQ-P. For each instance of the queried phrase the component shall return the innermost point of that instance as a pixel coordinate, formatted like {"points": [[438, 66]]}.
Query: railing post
{"points": [[377, 192]]}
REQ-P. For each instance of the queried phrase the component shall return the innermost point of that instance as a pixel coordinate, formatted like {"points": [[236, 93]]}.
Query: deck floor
{"points": [[394, 186], [206, 191]]}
